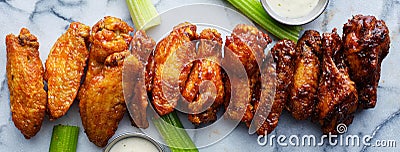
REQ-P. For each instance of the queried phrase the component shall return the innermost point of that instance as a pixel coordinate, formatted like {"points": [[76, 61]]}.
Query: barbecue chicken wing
{"points": [[247, 43], [278, 70], [102, 103], [134, 78], [366, 43], [205, 99], [172, 54], [64, 68], [337, 94], [25, 81], [305, 84]]}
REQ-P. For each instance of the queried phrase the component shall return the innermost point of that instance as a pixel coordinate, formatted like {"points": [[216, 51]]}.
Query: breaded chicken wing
{"points": [[64, 68], [366, 43], [305, 84], [24, 68], [102, 103], [337, 94], [171, 61]]}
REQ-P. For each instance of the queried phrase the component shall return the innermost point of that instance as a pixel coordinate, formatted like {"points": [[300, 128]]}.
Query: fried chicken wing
{"points": [[64, 68], [337, 94], [277, 73], [247, 43], [24, 68], [305, 84], [102, 103], [134, 78], [366, 43], [205, 99], [172, 54]]}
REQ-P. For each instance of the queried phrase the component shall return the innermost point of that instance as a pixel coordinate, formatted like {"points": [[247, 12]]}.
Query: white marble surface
{"points": [[48, 19]]}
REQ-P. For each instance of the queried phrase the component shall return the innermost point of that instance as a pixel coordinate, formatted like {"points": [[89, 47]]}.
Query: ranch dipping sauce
{"points": [[292, 8], [133, 143]]}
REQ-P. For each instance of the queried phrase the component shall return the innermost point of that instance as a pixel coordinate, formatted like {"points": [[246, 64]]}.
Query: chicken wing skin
{"points": [[64, 68], [205, 99], [305, 84], [171, 53], [366, 43], [337, 94], [102, 103], [247, 43], [24, 68], [134, 78], [278, 70]]}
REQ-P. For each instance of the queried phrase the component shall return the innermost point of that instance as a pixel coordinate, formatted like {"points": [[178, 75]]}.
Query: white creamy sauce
{"points": [[134, 144], [292, 8]]}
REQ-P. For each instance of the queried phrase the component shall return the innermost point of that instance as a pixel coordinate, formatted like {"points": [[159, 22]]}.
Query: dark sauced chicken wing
{"points": [[366, 43], [134, 78], [337, 94], [102, 103], [305, 84], [247, 43], [28, 98], [205, 97], [172, 54], [64, 68], [278, 70]]}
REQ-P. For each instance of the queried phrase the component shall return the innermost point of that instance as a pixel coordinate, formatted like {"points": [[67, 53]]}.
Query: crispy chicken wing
{"points": [[278, 70], [102, 103], [64, 68], [337, 94], [134, 78], [205, 99], [172, 54], [366, 43], [305, 84], [247, 43], [24, 68]]}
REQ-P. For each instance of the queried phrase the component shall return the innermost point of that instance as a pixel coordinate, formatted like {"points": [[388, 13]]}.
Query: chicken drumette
{"points": [[366, 43]]}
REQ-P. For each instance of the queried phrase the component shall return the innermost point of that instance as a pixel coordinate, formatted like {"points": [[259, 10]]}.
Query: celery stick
{"points": [[144, 14], [64, 139]]}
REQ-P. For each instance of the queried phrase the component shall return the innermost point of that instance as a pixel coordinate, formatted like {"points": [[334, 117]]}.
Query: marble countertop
{"points": [[48, 19]]}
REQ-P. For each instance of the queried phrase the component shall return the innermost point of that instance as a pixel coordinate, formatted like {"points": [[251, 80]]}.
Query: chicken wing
{"points": [[134, 78], [205, 99], [305, 84], [247, 43], [64, 68], [24, 68], [337, 94], [366, 43], [172, 54], [278, 70], [102, 103]]}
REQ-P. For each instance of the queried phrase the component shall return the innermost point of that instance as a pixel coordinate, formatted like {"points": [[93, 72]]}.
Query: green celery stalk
{"points": [[144, 14], [64, 138]]}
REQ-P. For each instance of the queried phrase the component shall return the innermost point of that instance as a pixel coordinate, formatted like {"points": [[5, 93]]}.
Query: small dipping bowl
{"points": [[133, 142], [304, 19]]}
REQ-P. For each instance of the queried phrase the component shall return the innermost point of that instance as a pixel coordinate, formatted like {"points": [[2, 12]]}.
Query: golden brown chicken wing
{"points": [[305, 84], [171, 61], [64, 68], [337, 94], [24, 68], [134, 78], [102, 103], [366, 43]]}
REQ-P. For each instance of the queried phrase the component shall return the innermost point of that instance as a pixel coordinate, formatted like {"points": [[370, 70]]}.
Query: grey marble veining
{"points": [[48, 19]]}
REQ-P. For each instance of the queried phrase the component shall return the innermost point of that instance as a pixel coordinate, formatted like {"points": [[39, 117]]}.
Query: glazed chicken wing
{"points": [[134, 78], [172, 60], [25, 81], [337, 94], [64, 68], [102, 103], [305, 84], [366, 43]]}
